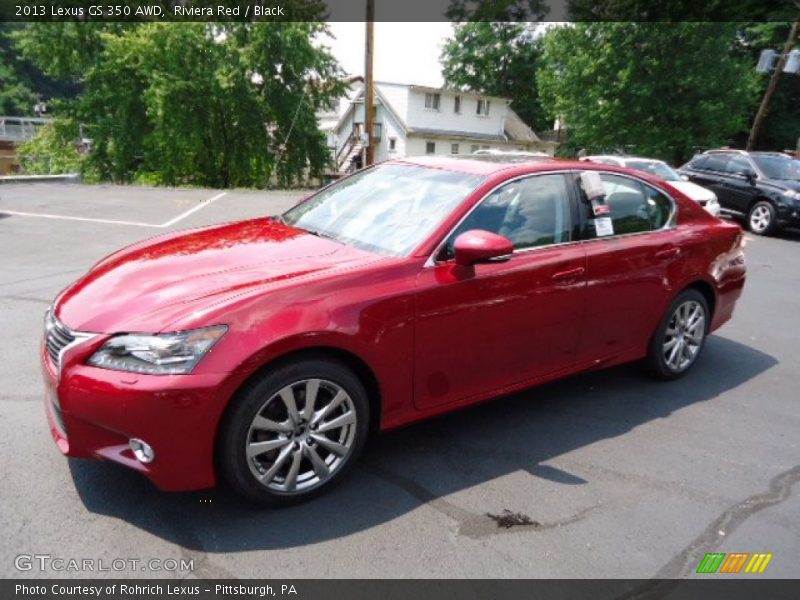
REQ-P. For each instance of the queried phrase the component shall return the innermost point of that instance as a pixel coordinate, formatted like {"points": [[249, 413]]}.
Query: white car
{"points": [[703, 196]]}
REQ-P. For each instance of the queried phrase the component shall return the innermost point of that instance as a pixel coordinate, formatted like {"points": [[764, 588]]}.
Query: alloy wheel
{"points": [[684, 335], [301, 436], [760, 218]]}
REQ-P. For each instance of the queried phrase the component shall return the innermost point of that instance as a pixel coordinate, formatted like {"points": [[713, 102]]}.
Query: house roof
{"points": [[516, 129], [386, 105]]}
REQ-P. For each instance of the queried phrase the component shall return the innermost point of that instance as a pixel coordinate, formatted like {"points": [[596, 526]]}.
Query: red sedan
{"points": [[265, 351]]}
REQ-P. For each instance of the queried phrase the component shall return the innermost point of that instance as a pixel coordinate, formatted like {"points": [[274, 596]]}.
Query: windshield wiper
{"points": [[322, 234]]}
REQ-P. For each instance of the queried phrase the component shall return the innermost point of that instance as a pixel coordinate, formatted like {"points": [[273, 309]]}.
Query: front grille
{"points": [[57, 337]]}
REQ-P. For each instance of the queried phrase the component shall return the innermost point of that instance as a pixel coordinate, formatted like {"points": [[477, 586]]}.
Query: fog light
{"points": [[142, 450]]}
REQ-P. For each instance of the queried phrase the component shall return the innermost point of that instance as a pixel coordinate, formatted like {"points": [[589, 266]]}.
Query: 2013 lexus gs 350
{"points": [[264, 351]]}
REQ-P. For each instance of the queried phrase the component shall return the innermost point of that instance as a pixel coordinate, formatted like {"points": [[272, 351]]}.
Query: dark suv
{"points": [[763, 187]]}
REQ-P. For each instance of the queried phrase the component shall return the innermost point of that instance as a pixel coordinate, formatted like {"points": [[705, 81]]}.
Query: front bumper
{"points": [[93, 413], [789, 216]]}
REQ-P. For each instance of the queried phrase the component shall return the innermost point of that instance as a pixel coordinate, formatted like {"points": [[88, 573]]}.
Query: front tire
{"points": [[680, 336], [293, 432], [761, 218]]}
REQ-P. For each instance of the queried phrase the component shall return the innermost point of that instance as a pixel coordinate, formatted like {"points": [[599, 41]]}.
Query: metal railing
{"points": [[19, 129]]}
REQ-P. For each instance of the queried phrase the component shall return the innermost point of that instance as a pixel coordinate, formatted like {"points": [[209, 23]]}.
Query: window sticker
{"points": [[603, 226]]}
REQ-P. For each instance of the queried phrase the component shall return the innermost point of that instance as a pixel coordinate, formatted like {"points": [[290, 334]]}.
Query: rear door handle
{"points": [[568, 274], [668, 253]]}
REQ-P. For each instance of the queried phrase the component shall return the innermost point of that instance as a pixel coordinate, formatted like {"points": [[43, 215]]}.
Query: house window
{"points": [[457, 105], [432, 101], [392, 144], [474, 148], [453, 148], [483, 107], [430, 148]]}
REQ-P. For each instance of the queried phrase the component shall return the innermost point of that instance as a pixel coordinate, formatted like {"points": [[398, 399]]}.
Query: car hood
{"points": [[151, 285], [696, 192]]}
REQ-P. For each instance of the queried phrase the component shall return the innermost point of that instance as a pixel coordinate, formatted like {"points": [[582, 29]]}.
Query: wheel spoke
{"points": [[294, 469], [347, 418], [672, 360], [276, 466], [257, 448], [312, 388], [269, 425], [668, 345], [337, 400], [330, 445], [320, 467], [287, 395]]}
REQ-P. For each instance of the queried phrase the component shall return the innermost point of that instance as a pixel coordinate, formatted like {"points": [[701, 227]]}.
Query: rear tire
{"points": [[761, 218], [680, 336], [276, 449]]}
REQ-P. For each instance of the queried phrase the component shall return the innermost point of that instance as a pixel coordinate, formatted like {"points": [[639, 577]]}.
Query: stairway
{"points": [[347, 163]]}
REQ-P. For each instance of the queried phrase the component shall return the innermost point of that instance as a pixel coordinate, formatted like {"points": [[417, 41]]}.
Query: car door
{"points": [[628, 264], [482, 328], [710, 171], [739, 190]]}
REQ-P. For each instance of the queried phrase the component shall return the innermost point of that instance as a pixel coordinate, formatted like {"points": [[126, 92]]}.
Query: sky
{"points": [[404, 52]]}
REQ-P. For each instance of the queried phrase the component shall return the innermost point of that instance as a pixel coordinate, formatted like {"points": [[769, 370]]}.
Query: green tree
{"points": [[659, 89], [499, 59], [193, 103], [16, 95], [781, 128]]}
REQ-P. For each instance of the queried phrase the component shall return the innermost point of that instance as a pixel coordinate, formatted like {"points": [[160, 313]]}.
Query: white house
{"points": [[411, 120]]}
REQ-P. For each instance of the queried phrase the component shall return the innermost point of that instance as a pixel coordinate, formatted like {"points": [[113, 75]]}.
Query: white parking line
{"points": [[67, 218], [183, 215], [169, 223]]}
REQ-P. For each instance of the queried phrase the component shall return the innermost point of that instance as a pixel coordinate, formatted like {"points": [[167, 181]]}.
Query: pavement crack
{"points": [[470, 524], [685, 562]]}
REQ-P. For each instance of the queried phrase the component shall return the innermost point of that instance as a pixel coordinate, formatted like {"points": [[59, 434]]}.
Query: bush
{"points": [[53, 150]]}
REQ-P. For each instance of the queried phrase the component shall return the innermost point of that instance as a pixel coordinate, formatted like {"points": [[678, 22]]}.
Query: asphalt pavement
{"points": [[607, 474]]}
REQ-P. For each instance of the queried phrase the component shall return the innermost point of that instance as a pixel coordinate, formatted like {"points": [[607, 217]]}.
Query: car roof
{"points": [[621, 157], [508, 170], [475, 166]]}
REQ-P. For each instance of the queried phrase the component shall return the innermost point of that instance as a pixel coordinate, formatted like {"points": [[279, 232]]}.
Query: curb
{"points": [[66, 178]]}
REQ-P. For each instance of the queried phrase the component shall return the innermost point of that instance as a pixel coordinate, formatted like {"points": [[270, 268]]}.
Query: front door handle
{"points": [[568, 273], [668, 253]]}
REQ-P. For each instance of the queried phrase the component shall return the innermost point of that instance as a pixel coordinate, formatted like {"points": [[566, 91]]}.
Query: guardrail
{"points": [[19, 129]]}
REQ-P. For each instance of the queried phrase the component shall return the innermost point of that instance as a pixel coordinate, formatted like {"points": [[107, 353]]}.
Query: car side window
{"points": [[634, 206], [737, 164], [716, 162], [699, 162], [530, 212]]}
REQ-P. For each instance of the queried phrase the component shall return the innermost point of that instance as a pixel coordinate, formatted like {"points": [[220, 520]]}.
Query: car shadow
{"points": [[425, 463]]}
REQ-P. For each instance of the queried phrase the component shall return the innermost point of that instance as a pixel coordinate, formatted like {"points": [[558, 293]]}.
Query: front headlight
{"points": [[792, 194], [159, 354]]}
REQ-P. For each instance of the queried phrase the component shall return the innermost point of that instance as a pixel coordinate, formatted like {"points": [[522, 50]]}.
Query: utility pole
{"points": [[773, 84], [369, 91]]}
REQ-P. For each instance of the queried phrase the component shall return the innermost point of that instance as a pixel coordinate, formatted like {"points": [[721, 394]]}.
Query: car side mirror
{"points": [[749, 175], [684, 178], [477, 246]]}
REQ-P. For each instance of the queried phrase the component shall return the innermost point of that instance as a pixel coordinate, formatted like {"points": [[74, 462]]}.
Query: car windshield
{"points": [[775, 167], [389, 209], [654, 167]]}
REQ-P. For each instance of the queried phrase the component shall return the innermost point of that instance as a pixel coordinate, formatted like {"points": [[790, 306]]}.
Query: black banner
{"points": [[732, 588], [396, 11]]}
